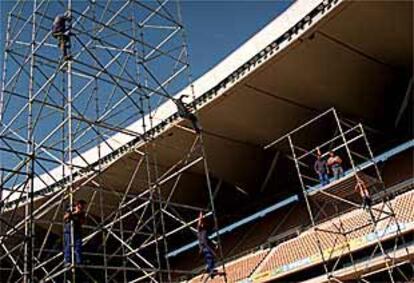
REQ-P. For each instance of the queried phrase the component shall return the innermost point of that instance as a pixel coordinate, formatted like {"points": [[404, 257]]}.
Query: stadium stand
{"points": [[239, 268], [303, 247], [271, 231], [302, 251]]}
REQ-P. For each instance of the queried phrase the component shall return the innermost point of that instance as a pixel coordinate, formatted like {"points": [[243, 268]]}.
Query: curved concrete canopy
{"points": [[354, 56]]}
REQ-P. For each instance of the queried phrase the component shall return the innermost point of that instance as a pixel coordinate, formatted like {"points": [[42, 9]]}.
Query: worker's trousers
{"points": [[77, 245], [209, 259]]}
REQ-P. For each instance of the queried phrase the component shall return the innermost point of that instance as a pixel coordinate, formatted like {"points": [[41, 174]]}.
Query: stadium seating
{"points": [[404, 207], [237, 269], [356, 224], [272, 229]]}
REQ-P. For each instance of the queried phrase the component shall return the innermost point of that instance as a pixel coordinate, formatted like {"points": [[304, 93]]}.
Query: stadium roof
{"points": [[355, 56]]}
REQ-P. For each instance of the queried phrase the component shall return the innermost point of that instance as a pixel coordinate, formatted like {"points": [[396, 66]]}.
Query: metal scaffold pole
{"points": [[68, 63], [308, 206], [29, 227]]}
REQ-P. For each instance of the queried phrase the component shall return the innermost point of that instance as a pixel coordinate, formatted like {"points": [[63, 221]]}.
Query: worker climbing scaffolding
{"points": [[207, 248], [61, 31], [362, 190], [184, 111]]}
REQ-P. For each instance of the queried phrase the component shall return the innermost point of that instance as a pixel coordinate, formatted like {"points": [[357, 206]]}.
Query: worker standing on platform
{"points": [[335, 164], [184, 111], [61, 32], [74, 217], [205, 246], [321, 168], [362, 190]]}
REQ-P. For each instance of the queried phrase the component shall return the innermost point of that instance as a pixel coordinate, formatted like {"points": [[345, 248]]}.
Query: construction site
{"points": [[291, 160]]}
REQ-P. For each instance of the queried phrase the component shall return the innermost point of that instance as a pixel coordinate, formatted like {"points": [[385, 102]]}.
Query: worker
{"points": [[321, 168], [205, 246], [61, 31], [362, 190], [184, 111], [335, 164], [74, 217]]}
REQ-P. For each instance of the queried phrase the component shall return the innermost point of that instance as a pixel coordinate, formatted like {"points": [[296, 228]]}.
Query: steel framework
{"points": [[349, 140], [66, 123]]}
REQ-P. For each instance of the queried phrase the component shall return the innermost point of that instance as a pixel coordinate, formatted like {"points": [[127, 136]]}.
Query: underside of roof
{"points": [[358, 59]]}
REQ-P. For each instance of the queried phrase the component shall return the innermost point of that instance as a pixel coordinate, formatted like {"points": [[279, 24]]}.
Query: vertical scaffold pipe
{"points": [[305, 195], [70, 145], [29, 225], [354, 169], [213, 208], [201, 140], [386, 199]]}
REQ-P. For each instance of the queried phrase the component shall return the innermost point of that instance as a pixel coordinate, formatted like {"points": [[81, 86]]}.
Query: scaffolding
{"points": [[68, 122], [322, 135]]}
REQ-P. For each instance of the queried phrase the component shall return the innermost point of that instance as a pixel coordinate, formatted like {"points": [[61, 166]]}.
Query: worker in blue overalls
{"points": [[321, 168], [206, 247], [74, 217]]}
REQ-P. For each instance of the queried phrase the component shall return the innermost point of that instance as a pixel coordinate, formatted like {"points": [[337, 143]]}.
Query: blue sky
{"points": [[214, 28]]}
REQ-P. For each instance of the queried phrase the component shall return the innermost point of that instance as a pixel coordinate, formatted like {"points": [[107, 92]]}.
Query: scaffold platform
{"points": [[343, 187]]}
